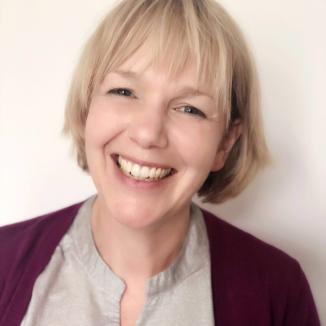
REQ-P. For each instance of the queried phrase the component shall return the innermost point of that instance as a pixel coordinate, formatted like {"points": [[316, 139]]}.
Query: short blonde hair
{"points": [[180, 29]]}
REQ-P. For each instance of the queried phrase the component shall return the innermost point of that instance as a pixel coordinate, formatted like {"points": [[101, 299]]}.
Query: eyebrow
{"points": [[190, 91], [125, 73], [185, 91]]}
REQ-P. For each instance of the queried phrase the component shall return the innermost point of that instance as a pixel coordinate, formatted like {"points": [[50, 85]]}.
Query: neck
{"points": [[135, 255]]}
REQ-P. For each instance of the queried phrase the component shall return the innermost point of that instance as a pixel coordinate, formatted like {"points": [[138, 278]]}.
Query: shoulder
{"points": [[247, 269], [25, 249], [242, 247], [20, 240], [24, 231]]}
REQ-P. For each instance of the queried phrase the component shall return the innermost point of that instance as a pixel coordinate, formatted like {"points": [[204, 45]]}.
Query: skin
{"points": [[143, 114]]}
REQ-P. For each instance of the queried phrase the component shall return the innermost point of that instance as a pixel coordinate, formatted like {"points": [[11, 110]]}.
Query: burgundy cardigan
{"points": [[253, 283]]}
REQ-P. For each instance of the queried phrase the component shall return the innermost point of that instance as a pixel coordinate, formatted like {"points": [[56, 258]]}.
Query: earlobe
{"points": [[227, 144]]}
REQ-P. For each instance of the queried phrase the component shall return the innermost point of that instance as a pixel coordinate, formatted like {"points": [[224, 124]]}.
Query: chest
{"points": [[131, 306], [67, 295]]}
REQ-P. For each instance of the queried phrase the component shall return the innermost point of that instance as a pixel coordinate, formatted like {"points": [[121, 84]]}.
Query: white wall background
{"points": [[286, 205]]}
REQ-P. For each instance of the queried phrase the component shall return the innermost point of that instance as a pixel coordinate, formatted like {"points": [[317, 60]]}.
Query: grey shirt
{"points": [[78, 288]]}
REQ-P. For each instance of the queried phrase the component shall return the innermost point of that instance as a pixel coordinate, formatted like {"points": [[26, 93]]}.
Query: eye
{"points": [[191, 110], [121, 92]]}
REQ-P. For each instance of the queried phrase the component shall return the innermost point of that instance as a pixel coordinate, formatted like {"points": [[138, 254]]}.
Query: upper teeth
{"points": [[141, 172]]}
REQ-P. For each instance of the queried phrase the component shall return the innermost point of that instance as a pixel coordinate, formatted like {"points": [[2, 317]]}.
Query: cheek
{"points": [[198, 146], [95, 130], [102, 124]]}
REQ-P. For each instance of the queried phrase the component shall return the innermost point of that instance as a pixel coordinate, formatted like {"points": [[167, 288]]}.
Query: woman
{"points": [[163, 105]]}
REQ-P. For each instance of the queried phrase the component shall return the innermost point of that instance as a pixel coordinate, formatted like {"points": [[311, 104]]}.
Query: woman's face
{"points": [[151, 141]]}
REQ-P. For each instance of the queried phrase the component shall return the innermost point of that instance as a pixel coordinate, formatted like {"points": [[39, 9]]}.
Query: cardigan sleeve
{"points": [[291, 298], [301, 308]]}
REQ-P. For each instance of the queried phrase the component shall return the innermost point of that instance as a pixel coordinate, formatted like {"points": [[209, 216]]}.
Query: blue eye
{"points": [[191, 110], [121, 92]]}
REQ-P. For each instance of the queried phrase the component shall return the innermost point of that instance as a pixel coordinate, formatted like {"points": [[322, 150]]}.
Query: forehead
{"points": [[144, 65]]}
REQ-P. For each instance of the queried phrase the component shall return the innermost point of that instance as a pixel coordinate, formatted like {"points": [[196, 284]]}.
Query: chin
{"points": [[135, 215]]}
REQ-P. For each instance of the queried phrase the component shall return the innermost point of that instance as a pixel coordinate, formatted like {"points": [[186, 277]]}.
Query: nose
{"points": [[147, 127]]}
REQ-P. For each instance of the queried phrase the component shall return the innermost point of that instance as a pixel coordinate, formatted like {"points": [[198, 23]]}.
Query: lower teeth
{"points": [[148, 179]]}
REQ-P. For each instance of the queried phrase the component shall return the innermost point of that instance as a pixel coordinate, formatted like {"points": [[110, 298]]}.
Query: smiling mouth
{"points": [[142, 172]]}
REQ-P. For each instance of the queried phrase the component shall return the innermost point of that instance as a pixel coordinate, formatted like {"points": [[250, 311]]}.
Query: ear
{"points": [[230, 138]]}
